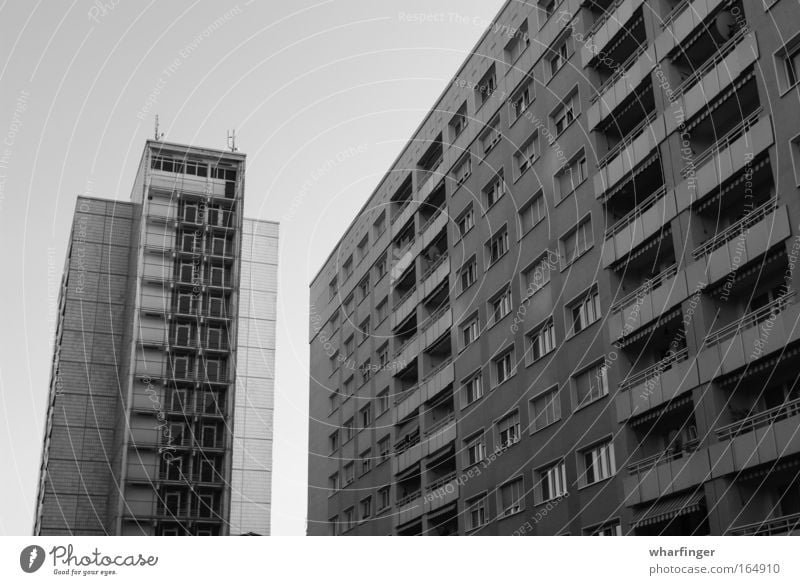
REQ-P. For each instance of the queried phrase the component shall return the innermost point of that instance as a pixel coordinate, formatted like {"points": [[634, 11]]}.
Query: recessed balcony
{"points": [[625, 80], [606, 27], [441, 492], [788, 525], [666, 473], [440, 378]]}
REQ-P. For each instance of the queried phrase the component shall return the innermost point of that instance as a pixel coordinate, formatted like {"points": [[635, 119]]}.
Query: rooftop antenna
{"points": [[232, 140], [156, 134]]}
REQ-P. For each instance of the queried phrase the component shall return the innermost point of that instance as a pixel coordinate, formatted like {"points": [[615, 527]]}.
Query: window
{"points": [[486, 86], [333, 483], [333, 526], [503, 367], [380, 225], [787, 64], [546, 9], [537, 275], [550, 482], [348, 387], [498, 245], [565, 113], [512, 497], [472, 389], [383, 449], [347, 267], [382, 309], [362, 249], [382, 402], [349, 429], [500, 306], [334, 321], [366, 507], [597, 463], [363, 287], [608, 529], [333, 441], [476, 512], [349, 473], [591, 384], [490, 136], [383, 498], [349, 519], [366, 371], [363, 329], [584, 312], [524, 157], [465, 221], [381, 267], [383, 356], [333, 400], [569, 178], [521, 99], [541, 341], [470, 330], [468, 274], [458, 122], [349, 345], [463, 169], [475, 449], [532, 213], [494, 190], [508, 430], [517, 45], [349, 305], [559, 54], [576, 242], [366, 416], [366, 461]]}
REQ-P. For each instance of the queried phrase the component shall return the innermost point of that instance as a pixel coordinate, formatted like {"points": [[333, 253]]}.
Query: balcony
{"points": [[433, 228], [711, 79], [666, 473], [406, 305], [681, 22], [437, 325], [438, 436], [744, 241], [435, 274], [748, 339], [645, 220], [441, 492], [617, 88], [606, 27], [629, 153], [404, 212], [788, 525], [655, 297], [439, 379], [409, 507], [656, 385], [758, 439], [729, 157]]}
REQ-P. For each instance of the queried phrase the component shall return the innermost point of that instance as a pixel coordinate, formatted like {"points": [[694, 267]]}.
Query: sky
{"points": [[322, 96]]}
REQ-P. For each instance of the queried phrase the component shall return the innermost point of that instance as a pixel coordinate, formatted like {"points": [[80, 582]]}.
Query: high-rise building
{"points": [[159, 418], [569, 305]]}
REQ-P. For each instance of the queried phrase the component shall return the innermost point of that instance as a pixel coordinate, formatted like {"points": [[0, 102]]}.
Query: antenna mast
{"points": [[232, 140], [156, 134]]}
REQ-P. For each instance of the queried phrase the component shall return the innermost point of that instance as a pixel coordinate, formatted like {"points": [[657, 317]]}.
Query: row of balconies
{"points": [[435, 275]]}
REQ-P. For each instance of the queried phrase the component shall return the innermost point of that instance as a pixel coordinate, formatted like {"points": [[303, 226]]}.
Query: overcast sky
{"points": [[302, 82]]}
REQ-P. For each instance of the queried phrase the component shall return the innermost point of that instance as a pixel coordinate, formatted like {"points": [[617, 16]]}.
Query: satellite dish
{"points": [[725, 24]]}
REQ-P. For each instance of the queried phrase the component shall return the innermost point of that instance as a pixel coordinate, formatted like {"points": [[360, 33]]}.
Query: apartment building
{"points": [[159, 418], [569, 306]]}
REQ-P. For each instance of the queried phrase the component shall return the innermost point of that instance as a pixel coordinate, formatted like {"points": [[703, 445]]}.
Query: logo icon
{"points": [[31, 558]]}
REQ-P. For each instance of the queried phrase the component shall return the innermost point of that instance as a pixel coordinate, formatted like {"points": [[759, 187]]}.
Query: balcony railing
{"points": [[663, 457], [619, 72], [733, 134], [437, 369], [760, 420], [718, 57], [675, 13], [735, 230], [431, 219], [439, 425], [644, 289], [628, 139], [636, 212], [441, 482], [750, 319], [780, 525], [654, 371], [603, 18], [403, 394], [406, 442], [436, 315], [406, 343], [404, 298], [401, 205], [407, 499], [436, 263]]}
